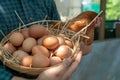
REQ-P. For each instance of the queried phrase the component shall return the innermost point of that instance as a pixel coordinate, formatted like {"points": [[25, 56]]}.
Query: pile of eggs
{"points": [[36, 47]]}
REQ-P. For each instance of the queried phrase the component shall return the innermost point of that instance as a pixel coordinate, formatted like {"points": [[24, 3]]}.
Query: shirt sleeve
{"points": [[4, 73], [53, 12]]}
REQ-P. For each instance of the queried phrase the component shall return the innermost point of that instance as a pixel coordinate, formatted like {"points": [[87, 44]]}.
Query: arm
{"points": [[18, 78]]}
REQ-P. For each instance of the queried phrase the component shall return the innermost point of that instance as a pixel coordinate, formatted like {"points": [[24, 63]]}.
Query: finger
{"points": [[73, 66], [67, 62]]}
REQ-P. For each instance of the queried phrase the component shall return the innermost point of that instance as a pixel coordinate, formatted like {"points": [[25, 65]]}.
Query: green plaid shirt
{"points": [[29, 11]]}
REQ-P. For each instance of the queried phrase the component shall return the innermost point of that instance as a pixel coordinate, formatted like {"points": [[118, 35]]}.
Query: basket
{"points": [[55, 28]]}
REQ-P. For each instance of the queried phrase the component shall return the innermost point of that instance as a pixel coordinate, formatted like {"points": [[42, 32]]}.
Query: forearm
{"points": [[20, 78]]}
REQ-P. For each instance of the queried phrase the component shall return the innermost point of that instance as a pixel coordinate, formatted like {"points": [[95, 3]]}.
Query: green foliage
{"points": [[96, 1], [113, 10]]}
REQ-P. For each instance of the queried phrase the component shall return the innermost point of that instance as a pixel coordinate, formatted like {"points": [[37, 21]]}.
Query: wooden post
{"points": [[117, 29], [102, 26]]}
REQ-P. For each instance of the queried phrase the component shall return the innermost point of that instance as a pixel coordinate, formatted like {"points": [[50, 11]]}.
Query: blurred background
{"points": [[70, 8], [103, 62]]}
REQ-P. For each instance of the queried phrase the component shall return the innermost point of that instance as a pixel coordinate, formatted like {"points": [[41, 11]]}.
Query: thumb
{"points": [[67, 62], [73, 66]]}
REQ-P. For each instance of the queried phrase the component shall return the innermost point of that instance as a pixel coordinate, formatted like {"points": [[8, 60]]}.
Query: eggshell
{"points": [[62, 35], [63, 51], [39, 41], [37, 31], [28, 44], [51, 42], [25, 32], [69, 43], [39, 49], [16, 38], [27, 61], [61, 40], [19, 54], [0, 54], [40, 61], [9, 47]]}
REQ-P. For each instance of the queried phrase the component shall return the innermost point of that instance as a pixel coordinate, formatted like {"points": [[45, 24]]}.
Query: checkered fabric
{"points": [[5, 74], [29, 11]]}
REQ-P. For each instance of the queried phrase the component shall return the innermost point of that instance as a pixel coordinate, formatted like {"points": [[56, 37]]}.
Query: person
{"points": [[29, 11]]}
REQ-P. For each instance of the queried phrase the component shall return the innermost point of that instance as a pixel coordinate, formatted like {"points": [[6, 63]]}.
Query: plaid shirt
{"points": [[29, 11], [5, 73]]}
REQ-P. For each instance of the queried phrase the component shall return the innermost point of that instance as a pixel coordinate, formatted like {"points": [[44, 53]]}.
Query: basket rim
{"points": [[8, 62]]}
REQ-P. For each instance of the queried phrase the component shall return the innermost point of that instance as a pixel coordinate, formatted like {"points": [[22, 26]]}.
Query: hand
{"points": [[63, 71], [18, 78]]}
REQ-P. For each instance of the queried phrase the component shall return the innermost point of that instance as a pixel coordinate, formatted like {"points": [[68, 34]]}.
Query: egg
{"points": [[69, 43], [51, 42], [55, 60], [61, 40], [27, 61], [40, 61], [25, 32], [39, 41], [63, 51], [0, 54], [62, 35], [16, 38], [28, 44], [19, 54], [39, 49], [9, 47], [37, 31]]}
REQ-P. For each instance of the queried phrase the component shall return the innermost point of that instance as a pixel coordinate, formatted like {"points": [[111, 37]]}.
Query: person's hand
{"points": [[63, 71]]}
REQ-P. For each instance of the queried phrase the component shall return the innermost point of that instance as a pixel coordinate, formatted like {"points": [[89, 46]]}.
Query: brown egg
{"points": [[40, 61], [37, 31], [55, 60], [16, 38], [69, 43], [9, 47], [19, 54], [39, 41], [27, 61], [63, 51], [39, 49], [62, 35], [25, 32], [61, 40], [28, 44], [51, 42], [0, 54]]}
